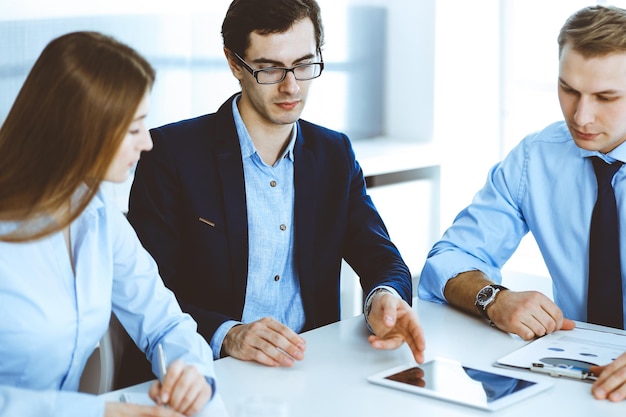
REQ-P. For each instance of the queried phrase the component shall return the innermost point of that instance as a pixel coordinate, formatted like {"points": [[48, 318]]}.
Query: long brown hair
{"points": [[64, 129]]}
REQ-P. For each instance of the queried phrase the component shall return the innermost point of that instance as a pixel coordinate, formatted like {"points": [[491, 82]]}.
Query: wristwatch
{"points": [[486, 296]]}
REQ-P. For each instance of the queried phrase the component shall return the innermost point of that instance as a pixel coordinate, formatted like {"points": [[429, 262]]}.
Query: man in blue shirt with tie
{"points": [[549, 185], [249, 211]]}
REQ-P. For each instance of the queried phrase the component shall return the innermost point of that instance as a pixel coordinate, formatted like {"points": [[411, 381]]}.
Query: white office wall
{"points": [[410, 64], [467, 64]]}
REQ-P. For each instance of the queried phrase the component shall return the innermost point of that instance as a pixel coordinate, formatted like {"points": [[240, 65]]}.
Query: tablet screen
{"points": [[444, 377]]}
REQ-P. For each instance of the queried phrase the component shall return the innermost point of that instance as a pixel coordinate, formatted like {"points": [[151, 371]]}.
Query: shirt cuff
{"points": [[367, 306], [218, 337]]}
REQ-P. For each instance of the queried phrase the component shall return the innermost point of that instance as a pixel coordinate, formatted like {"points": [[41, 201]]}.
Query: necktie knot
{"points": [[605, 171]]}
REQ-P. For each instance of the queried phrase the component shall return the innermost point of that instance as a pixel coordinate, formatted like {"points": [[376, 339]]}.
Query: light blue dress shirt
{"points": [[547, 186], [53, 314], [273, 287]]}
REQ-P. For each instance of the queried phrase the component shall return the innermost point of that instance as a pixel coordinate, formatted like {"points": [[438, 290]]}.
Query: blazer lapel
{"points": [[230, 168], [305, 212]]}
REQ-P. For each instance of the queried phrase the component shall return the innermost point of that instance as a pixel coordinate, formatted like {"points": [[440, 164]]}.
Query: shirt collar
{"points": [[617, 154], [245, 141]]}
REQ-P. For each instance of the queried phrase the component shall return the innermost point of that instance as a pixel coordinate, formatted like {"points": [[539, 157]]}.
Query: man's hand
{"points": [[183, 389], [611, 383], [528, 314], [394, 322], [265, 341]]}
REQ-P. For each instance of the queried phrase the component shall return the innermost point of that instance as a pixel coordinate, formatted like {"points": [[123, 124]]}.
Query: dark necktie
{"points": [[604, 301]]}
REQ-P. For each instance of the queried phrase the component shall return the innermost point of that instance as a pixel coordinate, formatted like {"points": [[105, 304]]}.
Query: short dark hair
{"points": [[595, 31], [265, 17]]}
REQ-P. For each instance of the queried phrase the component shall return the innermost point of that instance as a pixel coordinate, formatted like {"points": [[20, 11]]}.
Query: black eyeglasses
{"points": [[275, 75]]}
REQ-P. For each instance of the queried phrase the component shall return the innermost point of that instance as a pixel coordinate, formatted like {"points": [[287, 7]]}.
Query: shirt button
{"points": [[272, 183], [277, 277], [283, 227]]}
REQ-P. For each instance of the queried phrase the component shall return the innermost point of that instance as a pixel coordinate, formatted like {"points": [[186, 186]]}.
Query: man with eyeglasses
{"points": [[249, 211]]}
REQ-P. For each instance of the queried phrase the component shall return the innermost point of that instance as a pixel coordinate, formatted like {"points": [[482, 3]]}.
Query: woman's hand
{"points": [[183, 389]]}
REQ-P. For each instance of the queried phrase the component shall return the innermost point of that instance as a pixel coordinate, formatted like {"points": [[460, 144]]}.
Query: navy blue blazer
{"points": [[195, 171]]}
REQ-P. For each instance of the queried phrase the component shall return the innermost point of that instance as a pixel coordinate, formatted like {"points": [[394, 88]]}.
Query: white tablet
{"points": [[449, 380]]}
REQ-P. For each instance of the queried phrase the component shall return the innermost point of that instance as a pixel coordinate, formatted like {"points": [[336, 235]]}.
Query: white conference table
{"points": [[331, 380]]}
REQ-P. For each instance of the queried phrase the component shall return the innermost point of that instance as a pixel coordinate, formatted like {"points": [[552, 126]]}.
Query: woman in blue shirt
{"points": [[68, 258]]}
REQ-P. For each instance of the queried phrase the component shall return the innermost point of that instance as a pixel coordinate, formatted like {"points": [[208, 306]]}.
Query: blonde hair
{"points": [[64, 129], [595, 31]]}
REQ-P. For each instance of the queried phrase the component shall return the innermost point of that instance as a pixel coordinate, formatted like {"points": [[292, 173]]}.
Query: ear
{"points": [[234, 64]]}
